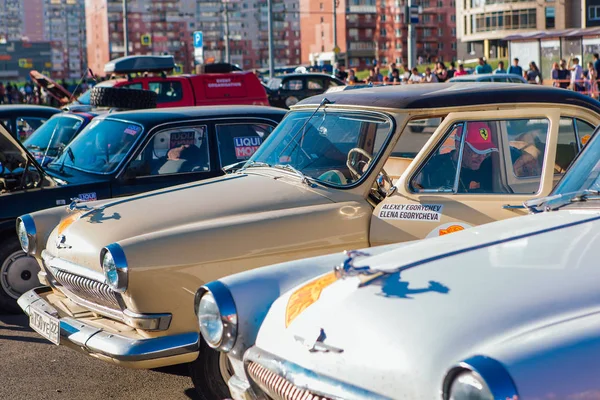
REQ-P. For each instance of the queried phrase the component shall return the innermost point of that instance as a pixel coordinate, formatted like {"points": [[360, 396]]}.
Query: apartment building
{"points": [[11, 20], [245, 24], [369, 30], [153, 27], [484, 24]]}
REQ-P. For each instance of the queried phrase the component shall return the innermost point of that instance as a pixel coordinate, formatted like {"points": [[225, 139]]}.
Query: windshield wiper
{"points": [[255, 164], [71, 157], [571, 197], [300, 174], [301, 130]]}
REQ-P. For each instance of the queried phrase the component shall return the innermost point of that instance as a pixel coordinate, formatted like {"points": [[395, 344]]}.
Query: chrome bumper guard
{"points": [[97, 341], [283, 380]]}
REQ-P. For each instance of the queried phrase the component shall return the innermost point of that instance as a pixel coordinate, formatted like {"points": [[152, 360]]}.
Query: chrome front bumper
{"points": [[97, 341], [275, 378]]}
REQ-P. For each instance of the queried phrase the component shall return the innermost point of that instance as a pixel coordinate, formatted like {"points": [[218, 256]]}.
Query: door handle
{"points": [[513, 207]]}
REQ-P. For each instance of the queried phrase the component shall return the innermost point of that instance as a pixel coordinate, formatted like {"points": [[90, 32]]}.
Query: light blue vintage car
{"points": [[507, 310]]}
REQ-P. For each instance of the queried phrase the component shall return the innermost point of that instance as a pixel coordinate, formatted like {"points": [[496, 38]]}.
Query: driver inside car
{"points": [[476, 167]]}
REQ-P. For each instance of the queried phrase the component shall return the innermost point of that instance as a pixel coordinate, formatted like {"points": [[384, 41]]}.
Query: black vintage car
{"points": [[286, 90], [119, 154], [23, 119]]}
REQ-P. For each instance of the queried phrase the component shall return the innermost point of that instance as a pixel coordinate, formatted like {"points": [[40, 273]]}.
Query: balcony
{"points": [[361, 9], [361, 46]]}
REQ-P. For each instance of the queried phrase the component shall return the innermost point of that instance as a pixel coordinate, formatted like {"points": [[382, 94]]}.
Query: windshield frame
{"points": [[58, 116], [330, 110], [124, 160]]}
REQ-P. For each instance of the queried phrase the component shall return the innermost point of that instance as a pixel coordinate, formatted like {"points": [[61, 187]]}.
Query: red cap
{"points": [[479, 137]]}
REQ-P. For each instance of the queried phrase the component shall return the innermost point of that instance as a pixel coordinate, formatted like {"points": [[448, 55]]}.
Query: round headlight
{"points": [[26, 233], [469, 386], [217, 315], [209, 319], [114, 265]]}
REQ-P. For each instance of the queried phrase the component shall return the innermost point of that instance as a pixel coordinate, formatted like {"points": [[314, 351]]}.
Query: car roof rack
{"points": [[134, 64]]}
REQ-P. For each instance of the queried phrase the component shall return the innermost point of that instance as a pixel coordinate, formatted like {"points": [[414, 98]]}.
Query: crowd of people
{"points": [[28, 93]]}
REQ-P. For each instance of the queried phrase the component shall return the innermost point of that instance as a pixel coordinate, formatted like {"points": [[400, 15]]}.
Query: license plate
{"points": [[44, 324]]}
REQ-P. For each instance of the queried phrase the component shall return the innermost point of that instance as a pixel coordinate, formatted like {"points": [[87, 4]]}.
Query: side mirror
{"points": [[385, 186]]}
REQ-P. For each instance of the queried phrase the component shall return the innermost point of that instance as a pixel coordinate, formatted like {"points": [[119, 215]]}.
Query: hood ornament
{"points": [[347, 268], [318, 344], [61, 242], [74, 206]]}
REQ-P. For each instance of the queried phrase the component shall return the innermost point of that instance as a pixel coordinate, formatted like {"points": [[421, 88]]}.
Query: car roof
{"points": [[28, 107], [151, 117], [455, 94], [480, 76], [308, 75]]}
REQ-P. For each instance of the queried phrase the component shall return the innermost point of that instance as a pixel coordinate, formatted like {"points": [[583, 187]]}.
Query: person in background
{"points": [[533, 75], [9, 93], [483, 67], [440, 72], [378, 76], [597, 64], [515, 68], [429, 77], [461, 71], [391, 70], [2, 93], [341, 74], [451, 70], [500, 69], [576, 74], [555, 74], [406, 73], [395, 79], [591, 80], [351, 80], [415, 77], [563, 75]]}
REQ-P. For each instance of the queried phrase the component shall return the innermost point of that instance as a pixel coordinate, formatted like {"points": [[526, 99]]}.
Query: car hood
{"points": [[186, 206], [12, 152], [459, 295]]}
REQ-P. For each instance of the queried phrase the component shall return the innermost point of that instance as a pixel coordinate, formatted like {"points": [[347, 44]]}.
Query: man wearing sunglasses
{"points": [[475, 174]]}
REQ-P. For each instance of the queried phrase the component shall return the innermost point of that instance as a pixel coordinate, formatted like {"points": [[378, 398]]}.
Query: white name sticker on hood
{"points": [[412, 212]]}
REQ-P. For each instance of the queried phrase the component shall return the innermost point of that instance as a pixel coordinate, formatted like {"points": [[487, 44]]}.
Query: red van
{"points": [[150, 73]]}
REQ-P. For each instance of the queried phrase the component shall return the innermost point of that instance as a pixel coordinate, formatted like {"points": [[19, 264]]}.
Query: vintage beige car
{"points": [[343, 170]]}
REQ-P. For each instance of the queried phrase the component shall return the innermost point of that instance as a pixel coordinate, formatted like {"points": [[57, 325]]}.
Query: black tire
{"points": [[122, 98], [206, 374], [12, 284]]}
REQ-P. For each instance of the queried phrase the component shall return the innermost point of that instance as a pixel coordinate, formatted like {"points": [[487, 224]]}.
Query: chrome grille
{"points": [[277, 387], [87, 289]]}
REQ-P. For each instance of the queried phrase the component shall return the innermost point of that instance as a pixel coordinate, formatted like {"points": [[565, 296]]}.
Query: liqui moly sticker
{"points": [[182, 138], [412, 212], [246, 146], [88, 196]]}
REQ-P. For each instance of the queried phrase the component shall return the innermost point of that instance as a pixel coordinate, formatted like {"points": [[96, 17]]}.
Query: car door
{"points": [[444, 190], [170, 156]]}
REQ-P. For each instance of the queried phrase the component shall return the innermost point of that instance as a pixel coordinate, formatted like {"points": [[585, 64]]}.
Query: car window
{"points": [[516, 80], [472, 163], [292, 84], [173, 151], [137, 86], [54, 135], [584, 131], [567, 147], [27, 125], [415, 135], [238, 142], [167, 91], [315, 83]]}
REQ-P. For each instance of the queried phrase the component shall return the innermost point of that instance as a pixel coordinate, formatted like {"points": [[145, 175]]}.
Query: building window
{"points": [[440, 17], [440, 3], [383, 32], [453, 30], [440, 32], [453, 18], [398, 32], [594, 13], [550, 11], [382, 17]]}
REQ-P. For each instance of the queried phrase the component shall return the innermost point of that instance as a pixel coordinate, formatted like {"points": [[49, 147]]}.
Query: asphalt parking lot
{"points": [[33, 368]]}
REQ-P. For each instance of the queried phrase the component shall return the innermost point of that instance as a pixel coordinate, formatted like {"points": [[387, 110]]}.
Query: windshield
{"points": [[337, 147], [100, 147], [54, 135], [584, 173]]}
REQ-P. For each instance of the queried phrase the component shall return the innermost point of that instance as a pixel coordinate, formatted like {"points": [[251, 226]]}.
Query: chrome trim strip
{"points": [[94, 307], [147, 322], [31, 232], [493, 373], [306, 379], [227, 309], [93, 340], [58, 263], [120, 261]]}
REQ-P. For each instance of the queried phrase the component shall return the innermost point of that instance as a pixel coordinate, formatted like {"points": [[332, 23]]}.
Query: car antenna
{"points": [[89, 70]]}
